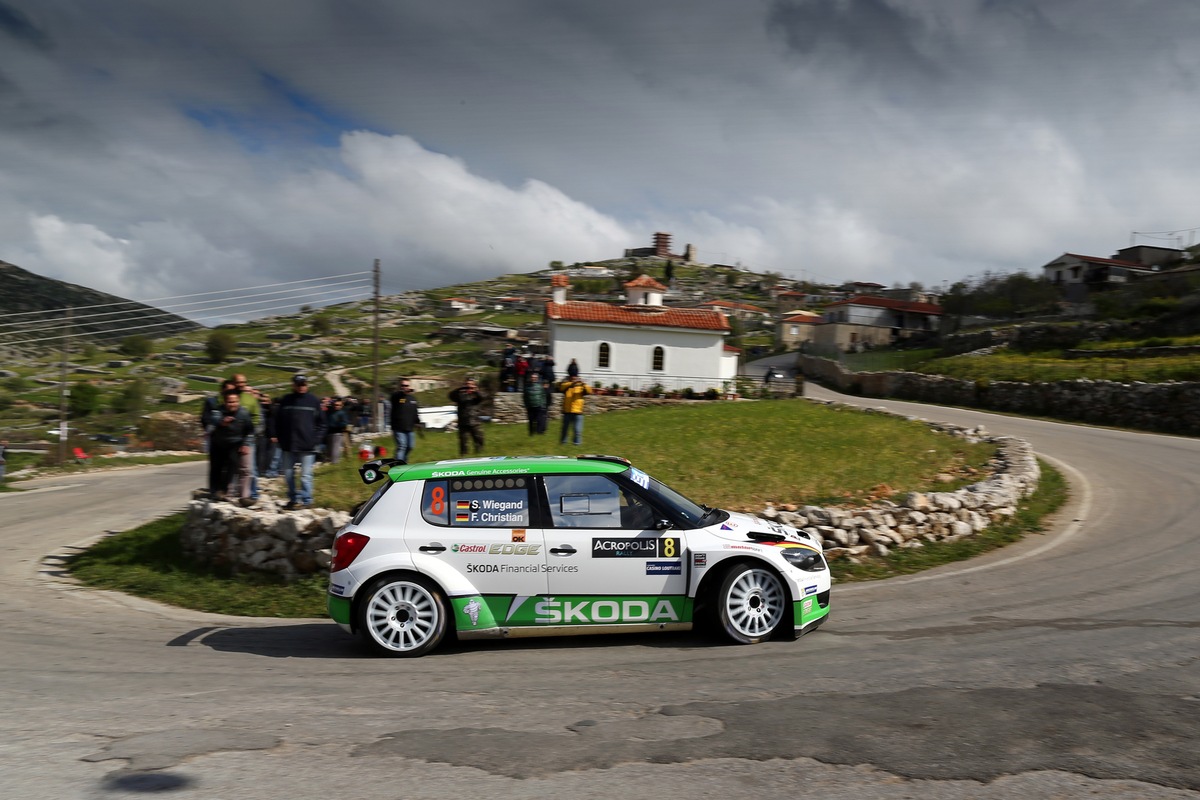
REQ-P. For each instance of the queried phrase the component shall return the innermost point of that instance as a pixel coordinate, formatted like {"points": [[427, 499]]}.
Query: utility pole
{"points": [[376, 408], [63, 392]]}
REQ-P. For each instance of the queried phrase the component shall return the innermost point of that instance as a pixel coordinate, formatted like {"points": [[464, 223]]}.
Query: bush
{"points": [[711, 394], [84, 400], [137, 346], [220, 346]]}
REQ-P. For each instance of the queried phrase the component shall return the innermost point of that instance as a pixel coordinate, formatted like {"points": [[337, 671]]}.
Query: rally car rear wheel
{"points": [[751, 603], [403, 615]]}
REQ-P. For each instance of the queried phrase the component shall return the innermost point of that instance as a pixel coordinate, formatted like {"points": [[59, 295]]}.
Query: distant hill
{"points": [[100, 317]]}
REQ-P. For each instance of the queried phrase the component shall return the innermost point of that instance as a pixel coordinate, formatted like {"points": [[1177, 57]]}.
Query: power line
{"points": [[172, 310], [356, 295], [153, 301]]}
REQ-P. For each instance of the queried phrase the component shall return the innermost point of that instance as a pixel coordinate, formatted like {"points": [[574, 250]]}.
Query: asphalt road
{"points": [[1065, 666]]}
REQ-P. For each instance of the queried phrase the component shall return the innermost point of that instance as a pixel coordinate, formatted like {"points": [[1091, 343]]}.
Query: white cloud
{"points": [[188, 147]]}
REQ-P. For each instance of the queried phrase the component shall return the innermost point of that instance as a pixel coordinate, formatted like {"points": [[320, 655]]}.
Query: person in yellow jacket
{"points": [[574, 390]]}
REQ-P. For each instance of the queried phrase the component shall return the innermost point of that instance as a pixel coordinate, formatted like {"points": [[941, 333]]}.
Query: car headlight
{"points": [[805, 559]]}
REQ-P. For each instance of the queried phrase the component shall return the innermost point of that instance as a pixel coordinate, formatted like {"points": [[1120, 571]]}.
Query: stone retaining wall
{"points": [[922, 517], [1172, 407], [291, 544], [509, 407], [297, 543]]}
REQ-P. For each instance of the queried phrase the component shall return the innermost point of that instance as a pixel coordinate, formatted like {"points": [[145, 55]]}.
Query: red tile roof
{"points": [[646, 282], [887, 302], [1113, 261], [731, 349], [660, 316], [805, 318]]}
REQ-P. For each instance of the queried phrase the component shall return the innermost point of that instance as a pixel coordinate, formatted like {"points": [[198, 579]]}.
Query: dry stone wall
{"points": [[294, 544], [290, 544], [923, 517], [1171, 407]]}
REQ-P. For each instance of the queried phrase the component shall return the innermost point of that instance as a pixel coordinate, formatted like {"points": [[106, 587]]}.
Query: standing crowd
{"points": [[248, 434]]}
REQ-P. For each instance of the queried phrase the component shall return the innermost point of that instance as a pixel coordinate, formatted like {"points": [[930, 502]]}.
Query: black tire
{"points": [[750, 603], [403, 615]]}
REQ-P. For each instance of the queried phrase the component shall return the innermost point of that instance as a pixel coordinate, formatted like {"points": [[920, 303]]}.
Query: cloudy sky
{"points": [[159, 148]]}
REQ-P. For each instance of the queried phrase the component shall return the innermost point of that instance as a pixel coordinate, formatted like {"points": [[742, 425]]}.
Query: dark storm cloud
{"points": [[880, 40], [14, 23], [886, 140]]}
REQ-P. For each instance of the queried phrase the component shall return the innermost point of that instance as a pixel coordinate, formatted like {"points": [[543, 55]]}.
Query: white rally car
{"points": [[496, 547]]}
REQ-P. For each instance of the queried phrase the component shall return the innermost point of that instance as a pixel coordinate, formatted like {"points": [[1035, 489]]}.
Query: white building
{"points": [[642, 343]]}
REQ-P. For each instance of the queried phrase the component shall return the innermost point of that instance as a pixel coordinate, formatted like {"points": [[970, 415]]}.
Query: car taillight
{"points": [[346, 548]]}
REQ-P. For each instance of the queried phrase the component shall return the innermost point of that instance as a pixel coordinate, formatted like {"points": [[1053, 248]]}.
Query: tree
{"points": [[85, 399], [669, 271], [220, 346], [321, 326], [556, 265], [137, 346], [130, 399]]}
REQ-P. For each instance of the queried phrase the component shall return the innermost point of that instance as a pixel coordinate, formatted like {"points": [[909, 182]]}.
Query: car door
{"points": [[479, 527], [607, 563]]}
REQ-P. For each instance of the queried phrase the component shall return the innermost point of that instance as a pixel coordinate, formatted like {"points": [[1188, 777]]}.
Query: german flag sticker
{"points": [[462, 505]]}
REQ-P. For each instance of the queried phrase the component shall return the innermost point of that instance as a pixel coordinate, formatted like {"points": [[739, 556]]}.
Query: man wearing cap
{"points": [[298, 426]]}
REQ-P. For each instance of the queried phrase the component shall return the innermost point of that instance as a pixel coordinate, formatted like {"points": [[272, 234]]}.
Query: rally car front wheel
{"points": [[751, 603], [403, 615]]}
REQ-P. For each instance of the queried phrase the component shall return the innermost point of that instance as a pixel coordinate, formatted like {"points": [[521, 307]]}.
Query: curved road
{"points": [[1066, 666]]}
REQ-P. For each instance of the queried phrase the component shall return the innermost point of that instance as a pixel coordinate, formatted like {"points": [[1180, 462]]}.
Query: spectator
{"points": [[336, 424], [468, 399], [232, 429], [212, 405], [521, 369], [508, 366], [574, 391], [249, 399], [3, 459], [299, 428], [547, 372], [535, 404], [573, 369], [266, 451], [405, 418]]}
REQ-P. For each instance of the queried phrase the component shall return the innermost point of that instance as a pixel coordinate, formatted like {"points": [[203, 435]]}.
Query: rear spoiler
{"points": [[377, 470]]}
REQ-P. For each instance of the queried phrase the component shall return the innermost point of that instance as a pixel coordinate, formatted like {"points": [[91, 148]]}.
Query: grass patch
{"points": [[1047, 367], [732, 455], [149, 562], [1049, 497], [738, 456]]}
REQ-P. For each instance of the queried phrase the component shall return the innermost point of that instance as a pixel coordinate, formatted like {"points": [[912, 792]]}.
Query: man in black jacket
{"points": [[468, 399], [405, 418], [231, 431], [299, 426]]}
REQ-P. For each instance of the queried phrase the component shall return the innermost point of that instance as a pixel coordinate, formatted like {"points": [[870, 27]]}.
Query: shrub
{"points": [[137, 346], [84, 400], [220, 346]]}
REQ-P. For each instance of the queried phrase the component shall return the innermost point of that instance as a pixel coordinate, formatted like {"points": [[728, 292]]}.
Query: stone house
{"points": [[863, 321]]}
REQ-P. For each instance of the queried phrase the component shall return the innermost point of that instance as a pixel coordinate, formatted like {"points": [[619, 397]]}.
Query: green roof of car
{"points": [[508, 465]]}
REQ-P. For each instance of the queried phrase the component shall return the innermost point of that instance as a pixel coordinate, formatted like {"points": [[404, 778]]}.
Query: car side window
{"points": [[501, 502], [595, 501]]}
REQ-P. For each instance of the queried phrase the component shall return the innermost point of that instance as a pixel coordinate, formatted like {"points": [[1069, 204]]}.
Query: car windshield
{"points": [[664, 495]]}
